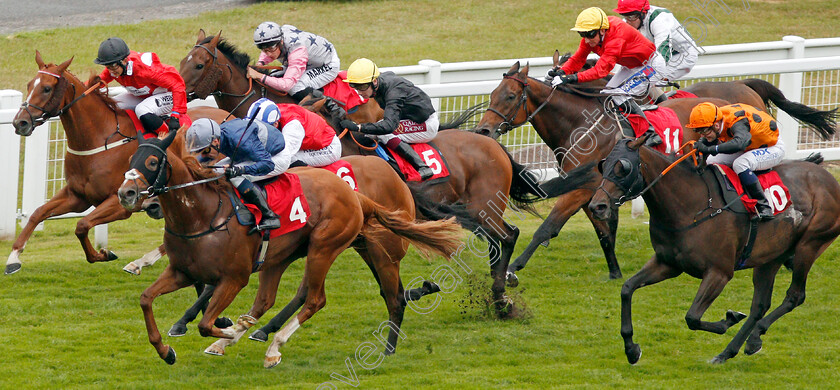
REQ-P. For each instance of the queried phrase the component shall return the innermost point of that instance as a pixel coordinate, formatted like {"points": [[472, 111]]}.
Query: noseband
{"points": [[51, 108]]}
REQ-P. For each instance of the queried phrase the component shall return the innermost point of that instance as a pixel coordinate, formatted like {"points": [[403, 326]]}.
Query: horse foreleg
{"points": [[148, 259], [763, 278], [606, 237], [566, 206], [180, 326], [714, 280], [62, 203], [108, 211], [223, 295], [287, 312], [652, 272], [170, 280]]}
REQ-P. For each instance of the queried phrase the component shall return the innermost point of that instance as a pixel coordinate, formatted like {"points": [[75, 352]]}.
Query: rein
{"points": [[62, 86], [210, 230], [523, 100], [353, 137]]}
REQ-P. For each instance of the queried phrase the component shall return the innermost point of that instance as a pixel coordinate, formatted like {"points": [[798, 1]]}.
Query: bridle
{"points": [[507, 120], [215, 55], [52, 108]]}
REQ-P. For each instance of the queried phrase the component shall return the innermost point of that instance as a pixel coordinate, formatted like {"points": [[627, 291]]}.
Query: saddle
{"points": [[428, 152]]}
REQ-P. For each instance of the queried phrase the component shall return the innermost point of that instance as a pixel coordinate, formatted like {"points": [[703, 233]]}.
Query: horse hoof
{"points": [[214, 349], [177, 330], [258, 335], [12, 268], [132, 269], [616, 275], [110, 256], [170, 356], [753, 347], [512, 279], [430, 287], [271, 361], [719, 359], [223, 322], [734, 317], [634, 353]]}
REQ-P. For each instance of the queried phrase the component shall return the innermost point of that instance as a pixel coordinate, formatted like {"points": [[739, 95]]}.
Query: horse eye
{"points": [[511, 97], [199, 66], [47, 89]]}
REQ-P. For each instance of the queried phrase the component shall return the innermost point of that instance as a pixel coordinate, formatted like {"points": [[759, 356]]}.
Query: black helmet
{"points": [[111, 50]]}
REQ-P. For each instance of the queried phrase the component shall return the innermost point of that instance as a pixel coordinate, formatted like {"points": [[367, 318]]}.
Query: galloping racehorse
{"points": [[99, 142], [572, 121], [205, 244], [215, 67], [690, 234]]}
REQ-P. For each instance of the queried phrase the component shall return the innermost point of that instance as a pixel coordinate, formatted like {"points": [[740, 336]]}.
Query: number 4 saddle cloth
{"points": [[285, 196], [666, 123], [775, 191], [431, 155]]}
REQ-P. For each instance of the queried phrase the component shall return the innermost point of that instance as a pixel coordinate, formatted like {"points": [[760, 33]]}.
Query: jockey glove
{"points": [[552, 73], [174, 121], [233, 171], [349, 125], [708, 150], [564, 79]]}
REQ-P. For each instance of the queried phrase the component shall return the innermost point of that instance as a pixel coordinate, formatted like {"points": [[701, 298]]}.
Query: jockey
{"points": [[409, 114], [728, 133], [152, 88], [309, 61], [252, 155], [615, 42], [672, 40], [310, 140]]}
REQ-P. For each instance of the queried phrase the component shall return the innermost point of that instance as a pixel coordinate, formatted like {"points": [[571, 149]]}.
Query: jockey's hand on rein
{"points": [[552, 73], [349, 125], [708, 150], [174, 122], [233, 171], [564, 79]]}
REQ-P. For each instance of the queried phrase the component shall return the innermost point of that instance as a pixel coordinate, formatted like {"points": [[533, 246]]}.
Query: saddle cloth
{"points": [[285, 196], [666, 123], [344, 171], [343, 93], [775, 191], [680, 94], [431, 155]]}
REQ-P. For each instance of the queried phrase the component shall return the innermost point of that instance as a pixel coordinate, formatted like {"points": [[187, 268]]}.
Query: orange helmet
{"points": [[703, 115]]}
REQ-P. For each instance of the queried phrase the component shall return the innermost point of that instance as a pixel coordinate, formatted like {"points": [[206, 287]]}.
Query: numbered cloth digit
{"points": [[776, 195], [297, 213], [432, 162], [344, 174]]}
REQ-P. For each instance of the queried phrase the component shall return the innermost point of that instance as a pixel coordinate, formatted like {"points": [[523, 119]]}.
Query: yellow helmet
{"points": [[590, 19], [362, 71]]}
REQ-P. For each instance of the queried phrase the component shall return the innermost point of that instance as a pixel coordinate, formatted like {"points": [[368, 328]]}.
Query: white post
{"points": [[35, 172], [791, 86], [432, 77], [10, 152], [100, 236]]}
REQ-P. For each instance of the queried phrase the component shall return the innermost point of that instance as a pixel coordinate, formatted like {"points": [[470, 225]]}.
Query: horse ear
{"points": [[201, 36], [64, 65], [513, 69], [524, 71], [556, 58], [168, 140], [216, 39], [39, 61]]}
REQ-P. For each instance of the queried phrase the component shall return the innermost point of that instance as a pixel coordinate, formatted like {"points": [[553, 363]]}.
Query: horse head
{"points": [[622, 177], [44, 96], [508, 104], [146, 172], [200, 69]]}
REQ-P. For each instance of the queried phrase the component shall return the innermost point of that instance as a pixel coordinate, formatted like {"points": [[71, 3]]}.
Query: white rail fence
{"points": [[807, 71]]}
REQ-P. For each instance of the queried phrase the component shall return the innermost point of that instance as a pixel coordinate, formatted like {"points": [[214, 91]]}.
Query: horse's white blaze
{"points": [[34, 87], [14, 257]]}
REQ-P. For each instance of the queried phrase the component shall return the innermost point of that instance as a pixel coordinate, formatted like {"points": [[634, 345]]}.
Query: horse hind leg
{"points": [[384, 263], [280, 318], [108, 211], [148, 259]]}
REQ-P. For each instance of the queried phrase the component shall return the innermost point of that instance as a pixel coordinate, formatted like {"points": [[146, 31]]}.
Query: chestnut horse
{"points": [[99, 142], [215, 67], [206, 245], [690, 234], [573, 122]]}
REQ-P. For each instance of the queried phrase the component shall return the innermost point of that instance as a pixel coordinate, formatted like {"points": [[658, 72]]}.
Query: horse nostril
{"points": [[130, 194]]}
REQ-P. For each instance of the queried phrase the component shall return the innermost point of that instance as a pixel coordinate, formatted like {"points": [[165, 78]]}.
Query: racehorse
{"points": [[215, 67], [484, 177], [205, 244], [99, 142], [690, 234], [577, 128]]}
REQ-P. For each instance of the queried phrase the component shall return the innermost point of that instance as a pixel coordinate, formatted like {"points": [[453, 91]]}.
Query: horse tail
{"points": [[439, 211], [823, 122], [816, 158], [464, 116], [569, 181], [525, 188], [438, 237]]}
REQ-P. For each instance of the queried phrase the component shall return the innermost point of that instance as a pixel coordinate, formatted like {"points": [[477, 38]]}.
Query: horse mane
{"points": [[198, 171], [238, 57], [108, 100]]}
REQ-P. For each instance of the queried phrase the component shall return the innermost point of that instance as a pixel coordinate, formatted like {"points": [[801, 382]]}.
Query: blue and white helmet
{"points": [[267, 32], [201, 134], [268, 111]]}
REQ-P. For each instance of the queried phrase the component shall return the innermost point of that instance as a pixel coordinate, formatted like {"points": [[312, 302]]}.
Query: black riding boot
{"points": [[762, 208], [631, 107], [405, 150], [255, 197], [299, 95], [153, 124]]}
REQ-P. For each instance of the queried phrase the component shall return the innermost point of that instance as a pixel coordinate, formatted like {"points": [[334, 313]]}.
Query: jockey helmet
{"points": [[591, 19], [628, 6], [362, 71], [268, 111], [111, 50], [268, 33], [703, 115], [201, 134]]}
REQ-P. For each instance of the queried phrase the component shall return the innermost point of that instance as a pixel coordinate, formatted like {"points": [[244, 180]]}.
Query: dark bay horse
{"points": [[215, 67], [710, 250], [573, 122], [206, 245], [99, 143], [484, 177]]}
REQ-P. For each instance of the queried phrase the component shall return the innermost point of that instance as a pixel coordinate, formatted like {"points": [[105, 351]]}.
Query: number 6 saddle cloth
{"points": [[775, 191], [285, 196], [430, 154]]}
